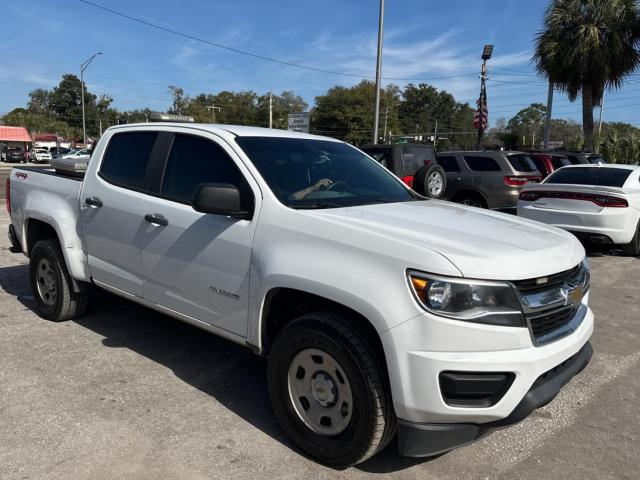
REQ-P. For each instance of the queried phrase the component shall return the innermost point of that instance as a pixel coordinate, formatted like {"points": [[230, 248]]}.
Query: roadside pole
{"points": [[270, 110], [547, 122], [376, 110]]}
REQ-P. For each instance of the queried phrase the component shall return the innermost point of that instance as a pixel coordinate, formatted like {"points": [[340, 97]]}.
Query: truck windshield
{"points": [[305, 173]]}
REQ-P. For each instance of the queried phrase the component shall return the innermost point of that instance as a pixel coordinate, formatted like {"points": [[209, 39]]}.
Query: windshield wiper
{"points": [[318, 205]]}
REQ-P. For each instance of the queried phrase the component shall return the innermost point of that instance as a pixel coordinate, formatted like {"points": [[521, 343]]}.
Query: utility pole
{"points": [[100, 127], [547, 121], [213, 109], [386, 117], [270, 110], [376, 110], [83, 67], [435, 136]]}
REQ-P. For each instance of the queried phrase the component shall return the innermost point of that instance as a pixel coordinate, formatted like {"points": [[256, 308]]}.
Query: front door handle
{"points": [[156, 219], [93, 201]]}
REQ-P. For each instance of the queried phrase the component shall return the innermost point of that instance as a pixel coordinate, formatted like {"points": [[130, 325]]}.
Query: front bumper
{"points": [[428, 439]]}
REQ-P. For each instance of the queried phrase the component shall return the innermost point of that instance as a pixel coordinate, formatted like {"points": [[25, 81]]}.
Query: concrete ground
{"points": [[128, 393]]}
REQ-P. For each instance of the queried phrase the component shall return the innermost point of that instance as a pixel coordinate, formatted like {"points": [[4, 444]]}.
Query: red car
{"points": [[549, 162]]}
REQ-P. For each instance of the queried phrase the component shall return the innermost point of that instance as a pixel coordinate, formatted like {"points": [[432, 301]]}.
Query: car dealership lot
{"points": [[125, 392]]}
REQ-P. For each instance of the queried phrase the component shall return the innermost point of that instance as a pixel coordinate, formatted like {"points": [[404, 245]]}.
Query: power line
{"points": [[251, 54]]}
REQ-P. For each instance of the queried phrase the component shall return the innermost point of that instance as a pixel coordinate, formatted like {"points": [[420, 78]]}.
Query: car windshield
{"points": [[306, 173], [604, 177], [522, 163]]}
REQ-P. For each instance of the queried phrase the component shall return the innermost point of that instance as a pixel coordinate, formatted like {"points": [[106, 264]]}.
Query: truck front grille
{"points": [[553, 304], [546, 321]]}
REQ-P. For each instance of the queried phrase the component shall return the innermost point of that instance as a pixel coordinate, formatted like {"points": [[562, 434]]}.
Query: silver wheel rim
{"points": [[320, 392], [46, 281], [434, 184]]}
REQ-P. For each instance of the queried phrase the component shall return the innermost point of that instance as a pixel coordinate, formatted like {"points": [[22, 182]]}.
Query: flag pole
{"points": [[481, 117], [482, 102]]}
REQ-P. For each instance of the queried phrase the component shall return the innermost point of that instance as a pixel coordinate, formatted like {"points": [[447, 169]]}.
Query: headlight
{"points": [[493, 303]]}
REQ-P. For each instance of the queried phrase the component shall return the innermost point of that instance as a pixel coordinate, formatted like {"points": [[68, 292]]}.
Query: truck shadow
{"points": [[229, 373]]}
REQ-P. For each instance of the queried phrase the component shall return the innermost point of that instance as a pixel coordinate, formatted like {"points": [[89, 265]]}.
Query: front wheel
{"points": [[51, 284], [328, 390]]}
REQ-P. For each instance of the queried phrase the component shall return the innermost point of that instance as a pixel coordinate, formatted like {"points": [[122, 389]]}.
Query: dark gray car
{"points": [[487, 179]]}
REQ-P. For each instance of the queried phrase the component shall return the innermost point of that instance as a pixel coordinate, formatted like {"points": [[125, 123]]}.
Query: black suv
{"points": [[15, 154], [414, 163]]}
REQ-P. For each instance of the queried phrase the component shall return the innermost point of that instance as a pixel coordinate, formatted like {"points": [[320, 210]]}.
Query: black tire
{"points": [[371, 423], [632, 249], [431, 181], [471, 199], [55, 299]]}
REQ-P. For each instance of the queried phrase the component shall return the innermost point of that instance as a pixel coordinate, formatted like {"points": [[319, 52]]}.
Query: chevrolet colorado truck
{"points": [[381, 313]]}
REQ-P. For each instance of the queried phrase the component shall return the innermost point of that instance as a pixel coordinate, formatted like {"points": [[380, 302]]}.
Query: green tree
{"points": [[283, 104], [528, 124], [180, 101], [610, 147], [587, 46], [345, 113]]}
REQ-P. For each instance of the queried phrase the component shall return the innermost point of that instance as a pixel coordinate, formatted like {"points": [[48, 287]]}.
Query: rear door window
{"points": [[482, 164], [522, 163], [605, 177], [126, 159], [449, 163]]}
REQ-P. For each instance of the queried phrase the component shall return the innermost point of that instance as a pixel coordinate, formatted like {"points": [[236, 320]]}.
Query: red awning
{"points": [[14, 134]]}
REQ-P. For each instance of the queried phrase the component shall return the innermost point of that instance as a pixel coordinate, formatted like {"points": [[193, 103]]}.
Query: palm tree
{"points": [[587, 46]]}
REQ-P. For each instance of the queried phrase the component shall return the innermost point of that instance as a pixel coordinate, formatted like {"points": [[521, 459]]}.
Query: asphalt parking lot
{"points": [[125, 392]]}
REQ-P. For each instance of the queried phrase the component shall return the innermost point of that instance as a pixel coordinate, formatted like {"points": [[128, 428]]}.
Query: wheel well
{"points": [[470, 193], [283, 305], [38, 230]]}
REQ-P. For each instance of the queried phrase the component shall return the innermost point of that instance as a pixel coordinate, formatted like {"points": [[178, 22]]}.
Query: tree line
{"points": [[342, 112]]}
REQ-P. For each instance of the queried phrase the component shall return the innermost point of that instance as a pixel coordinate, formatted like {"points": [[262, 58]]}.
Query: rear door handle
{"points": [[93, 201], [156, 219]]}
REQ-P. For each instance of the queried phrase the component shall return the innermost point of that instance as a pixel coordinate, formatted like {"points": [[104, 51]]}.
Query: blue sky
{"points": [[437, 41]]}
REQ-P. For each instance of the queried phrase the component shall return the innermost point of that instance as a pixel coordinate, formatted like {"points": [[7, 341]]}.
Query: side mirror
{"points": [[219, 199]]}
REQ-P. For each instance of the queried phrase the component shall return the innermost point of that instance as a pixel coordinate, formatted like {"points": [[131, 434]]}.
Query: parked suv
{"points": [[580, 158], [15, 154], [548, 163], [415, 164], [487, 179]]}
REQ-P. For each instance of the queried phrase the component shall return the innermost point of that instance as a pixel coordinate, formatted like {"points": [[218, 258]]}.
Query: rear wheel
{"points": [[51, 284], [328, 390], [471, 199], [431, 181], [632, 248]]}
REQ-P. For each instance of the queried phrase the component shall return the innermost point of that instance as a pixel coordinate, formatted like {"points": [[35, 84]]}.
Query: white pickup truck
{"points": [[380, 312]]}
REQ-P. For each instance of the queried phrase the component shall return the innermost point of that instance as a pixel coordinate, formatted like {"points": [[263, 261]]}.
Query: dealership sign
{"points": [[299, 122]]}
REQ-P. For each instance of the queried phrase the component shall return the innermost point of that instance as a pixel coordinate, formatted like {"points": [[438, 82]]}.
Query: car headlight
{"points": [[493, 303]]}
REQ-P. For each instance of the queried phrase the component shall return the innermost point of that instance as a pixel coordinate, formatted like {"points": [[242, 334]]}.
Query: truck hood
{"points": [[481, 243]]}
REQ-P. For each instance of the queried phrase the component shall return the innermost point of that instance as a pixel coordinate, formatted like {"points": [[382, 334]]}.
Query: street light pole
{"points": [[376, 113], [83, 67]]}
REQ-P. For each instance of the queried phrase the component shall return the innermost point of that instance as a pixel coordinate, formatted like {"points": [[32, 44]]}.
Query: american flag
{"points": [[481, 115]]}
